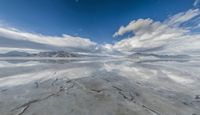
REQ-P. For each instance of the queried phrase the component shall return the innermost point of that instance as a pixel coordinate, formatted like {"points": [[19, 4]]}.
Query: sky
{"points": [[94, 19], [98, 25]]}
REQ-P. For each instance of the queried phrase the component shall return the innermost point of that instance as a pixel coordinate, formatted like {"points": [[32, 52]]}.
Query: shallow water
{"points": [[106, 86]]}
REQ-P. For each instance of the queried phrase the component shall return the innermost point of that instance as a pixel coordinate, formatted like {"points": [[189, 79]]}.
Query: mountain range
{"points": [[40, 54]]}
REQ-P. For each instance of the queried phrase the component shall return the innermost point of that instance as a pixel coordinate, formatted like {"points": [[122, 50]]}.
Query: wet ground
{"points": [[120, 86]]}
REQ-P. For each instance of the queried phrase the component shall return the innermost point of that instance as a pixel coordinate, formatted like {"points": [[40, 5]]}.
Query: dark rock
{"points": [[197, 97]]}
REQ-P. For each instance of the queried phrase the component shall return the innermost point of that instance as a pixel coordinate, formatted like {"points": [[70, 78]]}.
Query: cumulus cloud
{"points": [[14, 38], [143, 26], [139, 27], [168, 36]]}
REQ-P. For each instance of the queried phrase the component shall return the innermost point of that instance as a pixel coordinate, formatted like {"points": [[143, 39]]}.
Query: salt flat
{"points": [[108, 86]]}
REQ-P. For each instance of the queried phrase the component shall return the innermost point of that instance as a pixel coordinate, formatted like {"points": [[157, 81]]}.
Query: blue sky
{"points": [[94, 19]]}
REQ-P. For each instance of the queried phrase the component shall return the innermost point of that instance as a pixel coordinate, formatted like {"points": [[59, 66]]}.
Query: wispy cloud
{"points": [[14, 38], [8, 49], [169, 36], [173, 35], [196, 2], [182, 17]]}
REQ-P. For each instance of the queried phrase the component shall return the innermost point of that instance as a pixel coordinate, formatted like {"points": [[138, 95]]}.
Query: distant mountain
{"points": [[156, 57], [41, 54], [15, 54], [54, 54]]}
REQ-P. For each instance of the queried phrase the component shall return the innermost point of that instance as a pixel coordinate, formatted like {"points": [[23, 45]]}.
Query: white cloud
{"points": [[168, 36], [139, 27], [12, 37], [182, 17], [160, 37], [143, 26], [8, 49], [196, 2]]}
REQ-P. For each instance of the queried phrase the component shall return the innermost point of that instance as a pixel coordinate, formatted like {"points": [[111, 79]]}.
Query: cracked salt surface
{"points": [[106, 87]]}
